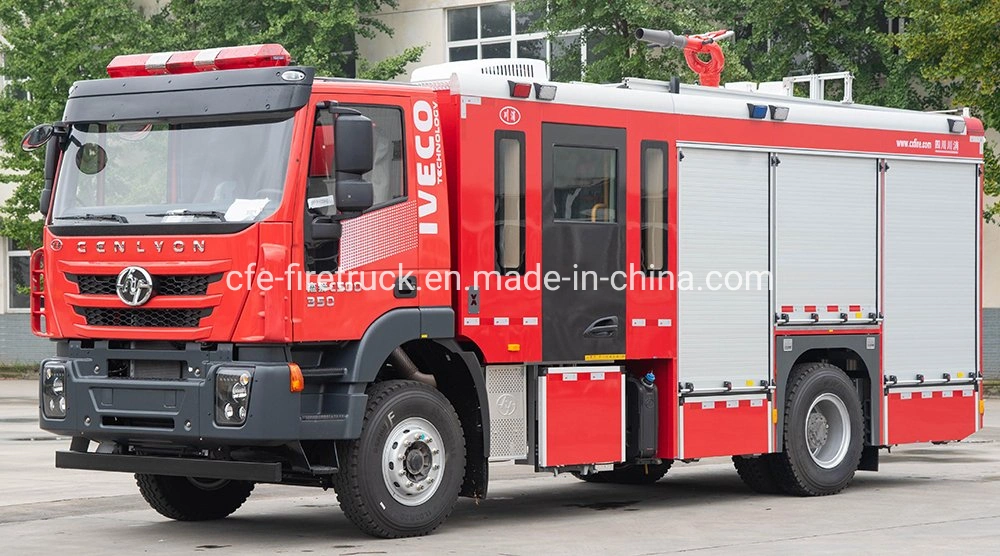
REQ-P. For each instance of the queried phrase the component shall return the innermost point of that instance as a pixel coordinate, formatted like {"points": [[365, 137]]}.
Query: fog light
{"points": [[239, 392], [232, 396], [54, 390]]}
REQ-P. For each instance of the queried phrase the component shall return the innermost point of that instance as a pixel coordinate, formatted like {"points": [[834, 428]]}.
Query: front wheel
{"points": [[402, 477], [192, 499], [823, 432]]}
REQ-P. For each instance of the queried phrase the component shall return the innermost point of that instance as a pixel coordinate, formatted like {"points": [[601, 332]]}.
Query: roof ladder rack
{"points": [[817, 84]]}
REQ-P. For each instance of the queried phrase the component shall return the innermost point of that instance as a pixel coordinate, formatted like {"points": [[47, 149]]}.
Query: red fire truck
{"points": [[256, 275]]}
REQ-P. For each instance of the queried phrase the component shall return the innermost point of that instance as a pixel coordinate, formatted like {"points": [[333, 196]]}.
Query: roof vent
{"points": [[504, 67]]}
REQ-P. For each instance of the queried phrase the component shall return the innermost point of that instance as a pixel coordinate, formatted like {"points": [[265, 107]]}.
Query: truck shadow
{"points": [[313, 524]]}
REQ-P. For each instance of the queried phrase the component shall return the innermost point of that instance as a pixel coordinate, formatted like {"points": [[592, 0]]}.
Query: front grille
{"points": [[150, 318], [168, 284]]}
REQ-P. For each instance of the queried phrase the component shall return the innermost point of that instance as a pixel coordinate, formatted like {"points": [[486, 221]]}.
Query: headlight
{"points": [[232, 396], [54, 390]]}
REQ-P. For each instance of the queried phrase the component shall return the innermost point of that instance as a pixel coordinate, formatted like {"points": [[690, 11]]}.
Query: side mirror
{"points": [[325, 231], [353, 194], [37, 136], [354, 144], [52, 149], [43, 201]]}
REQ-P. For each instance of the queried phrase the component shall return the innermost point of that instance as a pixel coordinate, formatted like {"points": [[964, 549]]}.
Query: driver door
{"points": [[352, 280]]}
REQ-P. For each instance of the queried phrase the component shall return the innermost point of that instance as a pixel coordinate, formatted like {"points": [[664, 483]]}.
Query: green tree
{"points": [[955, 42], [607, 29], [318, 33], [52, 43], [779, 38]]}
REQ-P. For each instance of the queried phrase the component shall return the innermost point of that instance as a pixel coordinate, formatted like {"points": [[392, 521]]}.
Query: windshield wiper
{"points": [[206, 213], [111, 217]]}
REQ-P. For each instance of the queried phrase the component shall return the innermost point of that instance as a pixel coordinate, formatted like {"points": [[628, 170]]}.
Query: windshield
{"points": [[156, 172]]}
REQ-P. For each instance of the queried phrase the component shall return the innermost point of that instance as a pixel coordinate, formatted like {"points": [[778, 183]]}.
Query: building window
{"points": [[508, 207], [500, 31], [654, 206], [18, 276]]}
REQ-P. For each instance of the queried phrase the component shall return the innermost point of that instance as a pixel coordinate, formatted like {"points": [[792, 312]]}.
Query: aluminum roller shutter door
{"points": [[931, 274], [724, 226], [826, 227]]}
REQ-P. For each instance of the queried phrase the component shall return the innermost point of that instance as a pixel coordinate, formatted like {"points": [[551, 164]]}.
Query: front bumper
{"points": [[181, 412], [260, 472]]}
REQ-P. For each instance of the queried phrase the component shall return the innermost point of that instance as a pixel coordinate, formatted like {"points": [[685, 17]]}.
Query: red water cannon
{"points": [[693, 45]]}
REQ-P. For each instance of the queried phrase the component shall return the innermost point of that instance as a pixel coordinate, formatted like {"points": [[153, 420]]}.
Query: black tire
{"points": [[796, 470], [188, 499], [629, 474], [362, 488], [758, 473]]}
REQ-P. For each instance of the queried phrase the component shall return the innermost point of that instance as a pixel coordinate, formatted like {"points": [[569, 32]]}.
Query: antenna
{"points": [[708, 71]]}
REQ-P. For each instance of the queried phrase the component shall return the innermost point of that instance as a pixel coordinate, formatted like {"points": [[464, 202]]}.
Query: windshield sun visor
{"points": [[262, 93]]}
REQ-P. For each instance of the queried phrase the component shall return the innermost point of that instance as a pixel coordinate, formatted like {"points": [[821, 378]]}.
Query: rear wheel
{"points": [[629, 474], [823, 432], [758, 473], [192, 499], [402, 477]]}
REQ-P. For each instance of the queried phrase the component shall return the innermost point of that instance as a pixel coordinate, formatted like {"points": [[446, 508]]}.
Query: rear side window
{"points": [[654, 206], [508, 208]]}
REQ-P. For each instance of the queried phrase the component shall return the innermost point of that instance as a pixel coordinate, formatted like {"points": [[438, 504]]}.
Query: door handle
{"points": [[604, 327], [406, 287]]}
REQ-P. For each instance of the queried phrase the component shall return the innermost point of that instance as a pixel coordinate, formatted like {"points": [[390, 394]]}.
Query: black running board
{"points": [[178, 467]]}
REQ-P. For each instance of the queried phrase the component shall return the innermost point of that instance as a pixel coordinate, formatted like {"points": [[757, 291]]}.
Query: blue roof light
{"points": [[757, 111]]}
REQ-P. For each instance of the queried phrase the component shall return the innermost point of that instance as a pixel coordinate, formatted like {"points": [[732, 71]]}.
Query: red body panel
{"points": [[721, 427], [581, 412], [925, 415]]}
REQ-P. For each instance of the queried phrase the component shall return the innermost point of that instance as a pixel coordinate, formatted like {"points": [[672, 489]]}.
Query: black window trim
{"points": [[664, 147], [498, 137]]}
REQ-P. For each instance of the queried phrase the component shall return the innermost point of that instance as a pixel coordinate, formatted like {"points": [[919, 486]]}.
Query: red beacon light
{"points": [[191, 61]]}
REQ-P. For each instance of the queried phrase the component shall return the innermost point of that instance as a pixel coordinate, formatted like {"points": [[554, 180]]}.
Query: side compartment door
{"points": [[826, 227], [931, 299], [724, 322], [931, 251], [583, 241]]}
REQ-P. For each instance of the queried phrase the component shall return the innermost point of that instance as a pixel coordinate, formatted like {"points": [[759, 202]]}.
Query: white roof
{"points": [[467, 79]]}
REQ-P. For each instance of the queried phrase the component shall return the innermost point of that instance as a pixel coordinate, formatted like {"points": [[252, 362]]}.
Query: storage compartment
{"points": [[641, 401], [931, 414], [725, 425], [581, 416]]}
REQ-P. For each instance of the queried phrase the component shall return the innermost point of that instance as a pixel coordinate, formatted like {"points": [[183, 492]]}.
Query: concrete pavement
{"points": [[940, 498]]}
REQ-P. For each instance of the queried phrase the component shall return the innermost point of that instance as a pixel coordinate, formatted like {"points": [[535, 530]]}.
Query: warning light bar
{"points": [[191, 61]]}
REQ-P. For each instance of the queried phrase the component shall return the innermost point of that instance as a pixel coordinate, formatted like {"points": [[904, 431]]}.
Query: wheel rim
{"points": [[828, 431], [413, 461], [208, 484]]}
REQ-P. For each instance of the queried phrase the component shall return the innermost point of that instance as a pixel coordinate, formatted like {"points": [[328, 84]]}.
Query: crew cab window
{"points": [[586, 183], [654, 206], [508, 207], [387, 178]]}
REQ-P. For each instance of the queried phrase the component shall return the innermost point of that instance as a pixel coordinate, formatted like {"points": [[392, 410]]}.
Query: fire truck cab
{"points": [[256, 275]]}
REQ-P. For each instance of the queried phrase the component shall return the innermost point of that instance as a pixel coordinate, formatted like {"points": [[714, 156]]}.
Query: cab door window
{"points": [[387, 177]]}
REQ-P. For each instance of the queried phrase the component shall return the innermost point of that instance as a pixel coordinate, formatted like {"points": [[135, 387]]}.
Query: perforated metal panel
{"points": [[931, 271], [505, 389], [826, 225], [724, 227]]}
